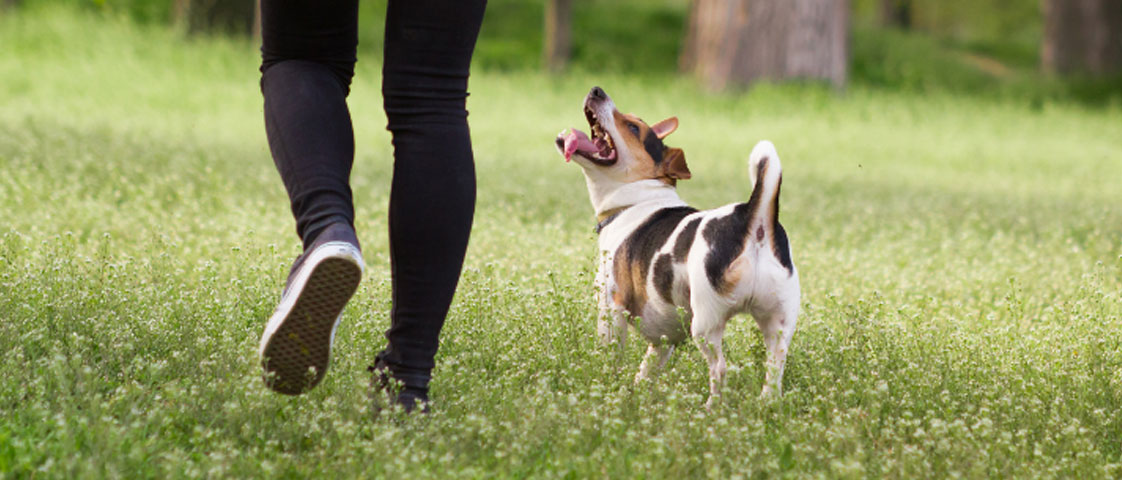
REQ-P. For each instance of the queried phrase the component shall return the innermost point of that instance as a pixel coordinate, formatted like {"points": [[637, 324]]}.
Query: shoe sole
{"points": [[296, 345]]}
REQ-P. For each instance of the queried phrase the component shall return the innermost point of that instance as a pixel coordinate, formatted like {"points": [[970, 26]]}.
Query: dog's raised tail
{"points": [[767, 175], [763, 207]]}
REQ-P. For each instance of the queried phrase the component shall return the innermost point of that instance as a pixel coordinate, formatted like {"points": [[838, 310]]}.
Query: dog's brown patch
{"points": [[673, 167], [636, 256], [650, 159], [631, 276], [732, 276], [632, 130]]}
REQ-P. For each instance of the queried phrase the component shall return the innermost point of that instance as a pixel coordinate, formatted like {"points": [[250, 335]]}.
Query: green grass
{"points": [[960, 257]]}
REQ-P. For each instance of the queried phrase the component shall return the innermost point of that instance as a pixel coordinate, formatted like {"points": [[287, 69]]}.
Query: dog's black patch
{"points": [[654, 147], [779, 243], [782, 248], [635, 257], [653, 233], [685, 240], [663, 273], [727, 236]]}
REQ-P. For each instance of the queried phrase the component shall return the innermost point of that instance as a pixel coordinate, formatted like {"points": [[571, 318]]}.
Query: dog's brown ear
{"points": [[674, 164], [665, 127]]}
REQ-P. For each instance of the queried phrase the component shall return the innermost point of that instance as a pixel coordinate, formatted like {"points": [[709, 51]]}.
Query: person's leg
{"points": [[308, 56], [428, 49]]}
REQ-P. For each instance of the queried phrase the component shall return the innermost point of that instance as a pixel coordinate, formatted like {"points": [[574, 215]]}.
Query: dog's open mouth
{"points": [[599, 148]]}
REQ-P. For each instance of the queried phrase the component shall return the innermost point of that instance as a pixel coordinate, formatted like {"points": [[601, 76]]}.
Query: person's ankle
{"points": [[337, 229], [388, 392], [414, 399]]}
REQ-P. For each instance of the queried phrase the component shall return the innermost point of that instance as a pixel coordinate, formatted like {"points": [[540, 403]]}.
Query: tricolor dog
{"points": [[671, 270]]}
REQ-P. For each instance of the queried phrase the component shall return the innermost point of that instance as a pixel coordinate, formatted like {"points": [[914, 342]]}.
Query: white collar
{"points": [[635, 193]]}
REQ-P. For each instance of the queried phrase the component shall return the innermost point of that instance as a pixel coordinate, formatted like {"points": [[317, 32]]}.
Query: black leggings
{"points": [[308, 56]]}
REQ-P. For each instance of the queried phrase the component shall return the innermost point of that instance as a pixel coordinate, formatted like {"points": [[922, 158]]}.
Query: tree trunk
{"points": [[256, 30], [558, 34], [896, 13], [221, 16], [1082, 36], [687, 58], [737, 42]]}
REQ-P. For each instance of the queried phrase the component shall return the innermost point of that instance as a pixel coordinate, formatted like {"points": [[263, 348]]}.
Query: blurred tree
{"points": [[6, 4], [1082, 36], [558, 34], [896, 13], [226, 16], [736, 42]]}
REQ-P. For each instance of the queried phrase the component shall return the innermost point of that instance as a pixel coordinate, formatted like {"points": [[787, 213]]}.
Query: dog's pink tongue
{"points": [[575, 141]]}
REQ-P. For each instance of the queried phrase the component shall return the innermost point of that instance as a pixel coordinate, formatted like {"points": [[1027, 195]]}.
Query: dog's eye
{"points": [[634, 128]]}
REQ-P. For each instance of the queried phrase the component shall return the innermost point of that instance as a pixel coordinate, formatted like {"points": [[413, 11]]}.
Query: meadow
{"points": [[960, 257]]}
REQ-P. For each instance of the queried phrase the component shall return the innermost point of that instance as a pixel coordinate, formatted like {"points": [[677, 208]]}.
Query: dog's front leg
{"points": [[612, 327], [611, 323]]}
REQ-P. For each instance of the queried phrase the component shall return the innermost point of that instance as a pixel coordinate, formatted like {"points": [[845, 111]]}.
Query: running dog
{"points": [[671, 270]]}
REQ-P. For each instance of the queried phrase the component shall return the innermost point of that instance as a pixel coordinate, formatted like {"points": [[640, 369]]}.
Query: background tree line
{"points": [[736, 42]]}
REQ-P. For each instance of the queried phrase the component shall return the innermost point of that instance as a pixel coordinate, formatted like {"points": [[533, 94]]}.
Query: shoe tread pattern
{"points": [[297, 357]]}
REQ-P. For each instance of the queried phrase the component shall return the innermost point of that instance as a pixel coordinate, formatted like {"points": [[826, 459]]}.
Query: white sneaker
{"points": [[296, 346]]}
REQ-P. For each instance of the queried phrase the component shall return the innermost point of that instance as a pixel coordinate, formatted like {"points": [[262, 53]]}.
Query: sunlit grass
{"points": [[961, 261]]}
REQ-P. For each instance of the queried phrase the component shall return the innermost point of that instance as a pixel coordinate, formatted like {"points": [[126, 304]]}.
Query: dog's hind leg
{"points": [[778, 327], [659, 354], [710, 343]]}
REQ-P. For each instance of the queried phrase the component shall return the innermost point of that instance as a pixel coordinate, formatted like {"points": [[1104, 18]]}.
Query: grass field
{"points": [[961, 263]]}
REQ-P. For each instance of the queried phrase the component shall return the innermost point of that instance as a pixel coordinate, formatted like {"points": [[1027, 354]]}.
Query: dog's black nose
{"points": [[598, 93]]}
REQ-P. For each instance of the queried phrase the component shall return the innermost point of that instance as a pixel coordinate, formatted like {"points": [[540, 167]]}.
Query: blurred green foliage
{"points": [[144, 11], [985, 47], [996, 24], [608, 35]]}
